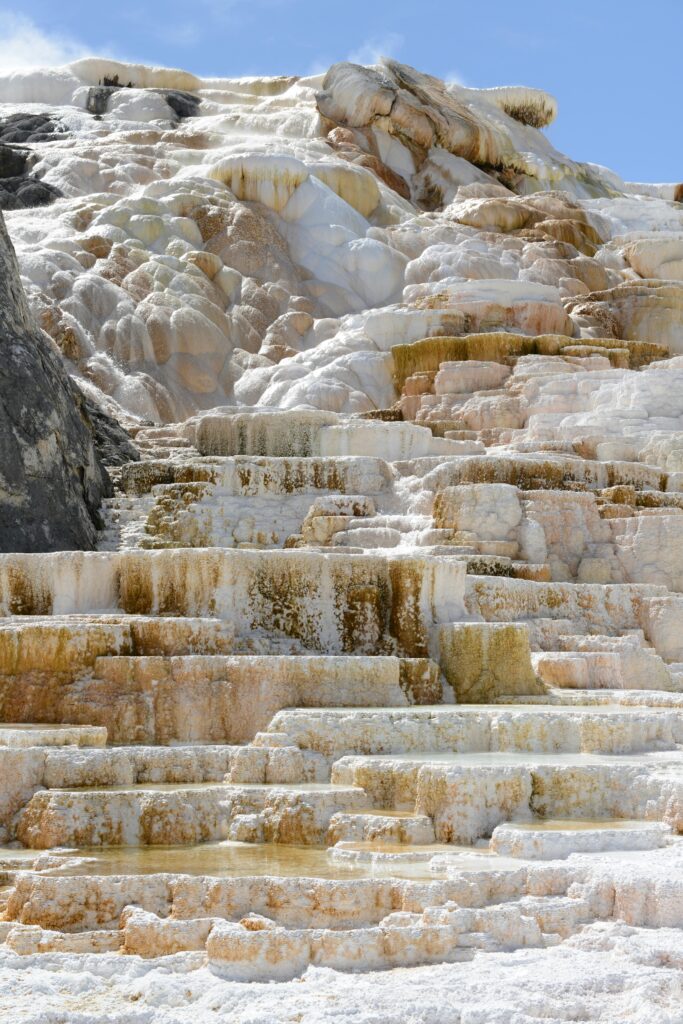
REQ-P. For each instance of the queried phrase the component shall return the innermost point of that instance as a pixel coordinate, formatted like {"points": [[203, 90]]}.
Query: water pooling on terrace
{"points": [[236, 860]]}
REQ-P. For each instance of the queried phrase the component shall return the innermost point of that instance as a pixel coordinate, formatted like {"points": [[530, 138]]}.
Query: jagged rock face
{"points": [[112, 442], [52, 479]]}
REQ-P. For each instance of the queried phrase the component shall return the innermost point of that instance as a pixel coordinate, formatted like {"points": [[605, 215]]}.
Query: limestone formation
{"points": [[374, 666]]}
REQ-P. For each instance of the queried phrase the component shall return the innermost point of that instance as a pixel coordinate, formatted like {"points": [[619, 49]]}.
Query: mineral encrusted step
{"points": [[168, 814], [609, 728], [36, 735], [599, 669], [87, 900], [556, 608], [277, 754], [303, 433], [533, 472], [255, 949], [58, 644], [272, 928], [96, 889], [51, 766], [551, 840], [560, 698], [258, 476], [381, 826], [467, 795], [241, 501], [401, 533], [386, 851], [229, 699], [30, 768], [234, 502], [206, 698], [165, 442], [330, 603], [537, 839], [337, 602], [223, 859], [189, 582]]}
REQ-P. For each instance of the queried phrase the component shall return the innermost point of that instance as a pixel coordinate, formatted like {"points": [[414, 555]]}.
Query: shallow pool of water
{"points": [[227, 860]]}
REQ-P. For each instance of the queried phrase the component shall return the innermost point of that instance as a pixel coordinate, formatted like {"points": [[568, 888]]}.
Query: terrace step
{"points": [[552, 839], [37, 735], [386, 851], [571, 728], [229, 698], [467, 795], [60, 767], [492, 906], [254, 475], [381, 827], [600, 670], [251, 927], [171, 814]]}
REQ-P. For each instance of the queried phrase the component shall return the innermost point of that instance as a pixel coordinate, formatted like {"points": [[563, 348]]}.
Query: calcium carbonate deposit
{"points": [[365, 702]]}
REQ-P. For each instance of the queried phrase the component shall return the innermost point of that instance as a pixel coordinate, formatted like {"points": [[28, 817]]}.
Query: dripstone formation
{"points": [[370, 655]]}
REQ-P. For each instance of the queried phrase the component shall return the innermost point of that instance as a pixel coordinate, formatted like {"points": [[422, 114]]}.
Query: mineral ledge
{"points": [[368, 706]]}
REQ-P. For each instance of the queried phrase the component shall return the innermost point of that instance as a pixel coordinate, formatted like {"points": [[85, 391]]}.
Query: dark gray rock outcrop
{"points": [[51, 479], [181, 104], [23, 127], [18, 188], [112, 443], [25, 191]]}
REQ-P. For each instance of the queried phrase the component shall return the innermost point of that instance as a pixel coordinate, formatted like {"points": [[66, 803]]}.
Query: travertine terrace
{"points": [[377, 664]]}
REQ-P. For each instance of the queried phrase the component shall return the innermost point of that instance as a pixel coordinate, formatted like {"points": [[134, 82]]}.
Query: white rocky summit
{"points": [[341, 678]]}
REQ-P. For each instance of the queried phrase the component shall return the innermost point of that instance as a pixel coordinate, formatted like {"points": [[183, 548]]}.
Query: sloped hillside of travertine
{"points": [[267, 241], [368, 706]]}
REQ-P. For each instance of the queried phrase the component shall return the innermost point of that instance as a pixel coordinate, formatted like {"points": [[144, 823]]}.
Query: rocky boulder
{"points": [[51, 480]]}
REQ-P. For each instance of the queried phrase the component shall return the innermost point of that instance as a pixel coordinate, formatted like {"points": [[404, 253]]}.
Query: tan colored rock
{"points": [[484, 661], [194, 374], [648, 311]]}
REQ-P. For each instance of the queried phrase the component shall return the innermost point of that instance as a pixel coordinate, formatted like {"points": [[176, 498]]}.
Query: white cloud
{"points": [[372, 49], [23, 45]]}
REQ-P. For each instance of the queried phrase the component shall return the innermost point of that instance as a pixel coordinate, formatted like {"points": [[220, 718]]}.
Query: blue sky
{"points": [[613, 65]]}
